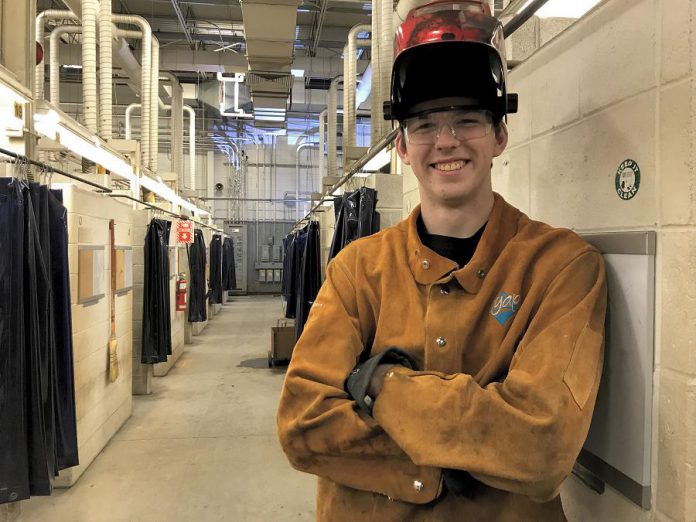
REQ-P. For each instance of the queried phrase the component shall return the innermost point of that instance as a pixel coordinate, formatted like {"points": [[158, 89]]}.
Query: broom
{"points": [[113, 343]]}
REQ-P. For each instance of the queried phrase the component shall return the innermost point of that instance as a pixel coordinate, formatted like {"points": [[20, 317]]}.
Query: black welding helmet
{"points": [[449, 50]]}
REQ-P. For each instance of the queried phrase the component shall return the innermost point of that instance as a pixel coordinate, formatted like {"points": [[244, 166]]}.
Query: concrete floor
{"points": [[203, 446]]}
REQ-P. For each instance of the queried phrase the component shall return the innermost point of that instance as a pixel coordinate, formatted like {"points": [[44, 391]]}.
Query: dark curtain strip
{"points": [[216, 270], [157, 333], [197, 302], [229, 274], [356, 217], [38, 435]]}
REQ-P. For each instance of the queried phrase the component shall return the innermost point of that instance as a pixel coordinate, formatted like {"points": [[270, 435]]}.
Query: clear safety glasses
{"points": [[463, 125]]}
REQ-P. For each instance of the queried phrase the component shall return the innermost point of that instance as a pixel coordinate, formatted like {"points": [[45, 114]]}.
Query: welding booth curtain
{"points": [[197, 299], [38, 434], [157, 325], [356, 216], [229, 275], [301, 273], [216, 270]]}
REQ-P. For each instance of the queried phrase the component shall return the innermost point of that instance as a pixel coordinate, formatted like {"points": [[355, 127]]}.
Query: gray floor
{"points": [[203, 446]]}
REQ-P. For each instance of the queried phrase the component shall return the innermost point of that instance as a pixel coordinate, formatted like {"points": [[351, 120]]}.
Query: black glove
{"points": [[460, 483], [358, 381]]}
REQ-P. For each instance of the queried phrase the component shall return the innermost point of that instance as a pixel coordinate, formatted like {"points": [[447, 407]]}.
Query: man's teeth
{"points": [[446, 167]]}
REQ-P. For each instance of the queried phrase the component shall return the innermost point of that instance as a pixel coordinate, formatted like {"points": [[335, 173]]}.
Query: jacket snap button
{"points": [[418, 485], [481, 273], [425, 264], [444, 290], [441, 341]]}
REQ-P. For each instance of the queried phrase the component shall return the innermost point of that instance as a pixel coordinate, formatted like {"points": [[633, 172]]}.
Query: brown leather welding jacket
{"points": [[511, 347]]}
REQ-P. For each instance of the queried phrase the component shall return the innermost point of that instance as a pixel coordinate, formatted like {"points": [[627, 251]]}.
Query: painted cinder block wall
{"points": [[620, 84], [102, 407]]}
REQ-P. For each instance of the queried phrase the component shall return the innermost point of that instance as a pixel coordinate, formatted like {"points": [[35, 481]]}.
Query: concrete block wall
{"points": [[102, 407], [619, 85]]}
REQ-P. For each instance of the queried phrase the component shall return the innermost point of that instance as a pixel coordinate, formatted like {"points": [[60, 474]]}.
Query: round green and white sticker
{"points": [[627, 179]]}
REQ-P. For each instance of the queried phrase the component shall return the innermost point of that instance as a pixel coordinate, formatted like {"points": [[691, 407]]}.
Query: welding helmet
{"points": [[449, 50]]}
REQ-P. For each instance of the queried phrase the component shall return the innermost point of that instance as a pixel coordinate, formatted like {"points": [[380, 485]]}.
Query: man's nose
{"points": [[446, 138]]}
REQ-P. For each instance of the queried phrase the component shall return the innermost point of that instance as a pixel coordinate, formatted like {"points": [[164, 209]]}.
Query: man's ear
{"points": [[401, 148], [501, 139]]}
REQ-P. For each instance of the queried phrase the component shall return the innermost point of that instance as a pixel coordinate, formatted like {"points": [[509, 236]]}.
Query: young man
{"points": [[450, 364]]}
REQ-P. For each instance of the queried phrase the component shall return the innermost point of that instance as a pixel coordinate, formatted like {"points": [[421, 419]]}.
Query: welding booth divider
{"points": [[157, 330], [38, 433], [198, 306]]}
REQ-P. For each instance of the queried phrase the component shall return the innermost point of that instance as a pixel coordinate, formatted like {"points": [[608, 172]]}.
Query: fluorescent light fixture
{"points": [[382, 158], [563, 8], [71, 66], [297, 73], [362, 174], [167, 193]]}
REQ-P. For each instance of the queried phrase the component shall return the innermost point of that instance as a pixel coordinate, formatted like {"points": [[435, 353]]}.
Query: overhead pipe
{"points": [[90, 97], [376, 114], [333, 125], [322, 141], [386, 55], [106, 95], [145, 80], [49, 14], [153, 161], [129, 111], [350, 83], [177, 116], [54, 60], [192, 146], [297, 166]]}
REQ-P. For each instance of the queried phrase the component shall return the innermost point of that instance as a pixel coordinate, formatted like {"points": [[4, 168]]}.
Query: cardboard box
{"points": [[282, 344]]}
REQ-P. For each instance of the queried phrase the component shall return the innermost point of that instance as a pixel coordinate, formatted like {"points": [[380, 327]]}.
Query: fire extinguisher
{"points": [[181, 287]]}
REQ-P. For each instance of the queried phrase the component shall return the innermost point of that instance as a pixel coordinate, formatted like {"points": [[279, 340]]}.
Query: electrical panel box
{"points": [[276, 276], [618, 447], [277, 253], [265, 253], [262, 275]]}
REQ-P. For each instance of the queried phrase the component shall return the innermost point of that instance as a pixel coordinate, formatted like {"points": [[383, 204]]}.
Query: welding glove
{"points": [[358, 381]]}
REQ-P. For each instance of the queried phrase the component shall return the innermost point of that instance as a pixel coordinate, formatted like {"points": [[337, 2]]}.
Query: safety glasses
{"points": [[464, 125]]}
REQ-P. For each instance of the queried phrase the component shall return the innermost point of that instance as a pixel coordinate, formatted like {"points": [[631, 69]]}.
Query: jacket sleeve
{"points": [[319, 428], [523, 434]]}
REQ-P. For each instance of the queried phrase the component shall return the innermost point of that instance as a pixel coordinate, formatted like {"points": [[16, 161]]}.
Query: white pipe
{"points": [[350, 83], [145, 81], [177, 117], [106, 95], [154, 107], [297, 170], [129, 111], [126, 33], [192, 146], [333, 125], [375, 106], [49, 14], [386, 57], [54, 60], [322, 140], [90, 96]]}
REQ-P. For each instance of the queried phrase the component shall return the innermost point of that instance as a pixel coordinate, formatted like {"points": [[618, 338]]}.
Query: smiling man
{"points": [[450, 364]]}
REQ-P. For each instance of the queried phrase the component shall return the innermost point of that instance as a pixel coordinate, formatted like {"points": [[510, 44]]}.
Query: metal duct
{"points": [[192, 146], [386, 57], [375, 107], [269, 30], [177, 125], [105, 70], [90, 99], [350, 83], [333, 125], [322, 141], [54, 60], [153, 161], [145, 81], [49, 14]]}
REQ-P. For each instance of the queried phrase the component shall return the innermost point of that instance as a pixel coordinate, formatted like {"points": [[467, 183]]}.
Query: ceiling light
{"points": [[362, 174], [297, 73]]}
